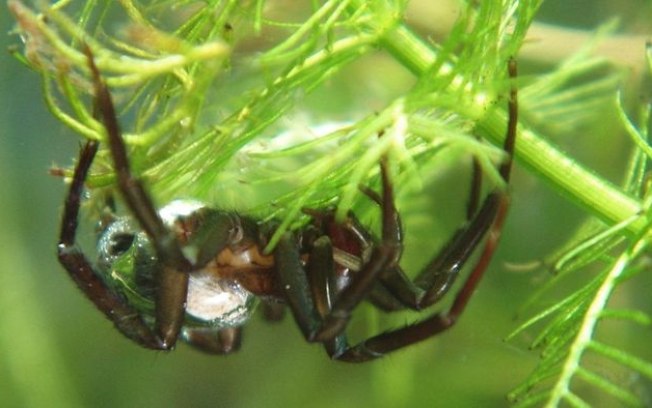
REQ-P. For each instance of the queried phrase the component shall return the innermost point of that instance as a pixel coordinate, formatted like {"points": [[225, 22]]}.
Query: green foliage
{"points": [[577, 366], [205, 92], [188, 130]]}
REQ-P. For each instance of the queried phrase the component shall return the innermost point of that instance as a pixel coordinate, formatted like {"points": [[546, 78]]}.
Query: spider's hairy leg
{"points": [[384, 257], [172, 277], [438, 276], [320, 310], [126, 320]]}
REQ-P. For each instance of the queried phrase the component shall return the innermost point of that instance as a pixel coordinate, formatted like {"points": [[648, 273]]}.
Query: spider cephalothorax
{"points": [[192, 271]]}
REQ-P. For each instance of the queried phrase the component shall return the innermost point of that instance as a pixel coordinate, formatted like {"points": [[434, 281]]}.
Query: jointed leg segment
{"points": [[324, 324], [81, 270]]}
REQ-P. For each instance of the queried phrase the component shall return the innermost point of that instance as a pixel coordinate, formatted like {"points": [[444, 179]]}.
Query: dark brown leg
{"points": [[223, 341], [126, 320], [384, 257], [387, 342], [172, 278], [311, 306], [440, 274], [308, 293], [309, 297], [489, 221], [320, 271]]}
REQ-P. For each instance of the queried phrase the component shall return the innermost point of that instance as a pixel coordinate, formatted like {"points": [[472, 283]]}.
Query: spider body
{"points": [[221, 294], [215, 298], [192, 272]]}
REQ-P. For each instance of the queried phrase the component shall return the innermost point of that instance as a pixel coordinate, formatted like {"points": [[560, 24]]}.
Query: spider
{"points": [[190, 271]]}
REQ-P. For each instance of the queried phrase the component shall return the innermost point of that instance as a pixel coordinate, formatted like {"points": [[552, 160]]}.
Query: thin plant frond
{"points": [[568, 336]]}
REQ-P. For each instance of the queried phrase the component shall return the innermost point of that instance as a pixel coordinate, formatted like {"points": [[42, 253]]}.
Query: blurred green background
{"points": [[56, 350]]}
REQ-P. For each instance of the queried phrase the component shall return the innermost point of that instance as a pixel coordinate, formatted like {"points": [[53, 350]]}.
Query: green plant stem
{"points": [[583, 187]]}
